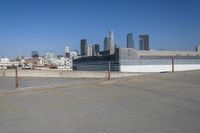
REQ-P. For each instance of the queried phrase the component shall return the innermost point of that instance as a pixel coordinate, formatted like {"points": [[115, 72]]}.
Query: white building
{"points": [[89, 50], [67, 49], [49, 55], [5, 60], [73, 54], [63, 63], [111, 42]]}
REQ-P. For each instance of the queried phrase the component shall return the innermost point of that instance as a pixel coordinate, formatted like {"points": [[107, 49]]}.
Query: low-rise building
{"points": [[6, 63], [131, 60]]}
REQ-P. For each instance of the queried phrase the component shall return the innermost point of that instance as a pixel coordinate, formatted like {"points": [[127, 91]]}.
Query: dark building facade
{"points": [[145, 38], [35, 54], [67, 55], [95, 49], [141, 44], [83, 47], [106, 44], [130, 42]]}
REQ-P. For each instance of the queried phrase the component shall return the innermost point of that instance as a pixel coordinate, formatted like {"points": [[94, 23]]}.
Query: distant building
{"points": [[20, 57], [49, 55], [35, 54], [198, 48], [63, 63], [95, 49], [130, 42], [67, 55], [59, 56], [6, 63], [70, 54], [73, 54], [67, 52], [145, 38], [33, 62], [66, 49], [106, 44], [89, 50], [83, 47], [5, 60], [111, 42], [132, 60], [141, 44]]}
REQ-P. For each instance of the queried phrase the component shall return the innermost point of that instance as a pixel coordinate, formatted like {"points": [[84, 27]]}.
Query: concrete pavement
{"points": [[157, 103]]}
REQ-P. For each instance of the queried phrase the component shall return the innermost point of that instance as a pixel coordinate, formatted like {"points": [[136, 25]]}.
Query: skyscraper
{"points": [[83, 47], [145, 38], [141, 44], [111, 42], [67, 52], [66, 49], [130, 42], [198, 48], [89, 50], [106, 44], [95, 49], [35, 54]]}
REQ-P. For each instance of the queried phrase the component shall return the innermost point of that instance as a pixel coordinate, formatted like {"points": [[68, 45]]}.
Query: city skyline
{"points": [[49, 26]]}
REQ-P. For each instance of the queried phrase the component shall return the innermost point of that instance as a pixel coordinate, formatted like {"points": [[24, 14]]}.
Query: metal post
{"points": [[108, 70], [16, 78], [172, 64]]}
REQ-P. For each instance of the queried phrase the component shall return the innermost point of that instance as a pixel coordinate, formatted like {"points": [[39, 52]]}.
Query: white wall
{"points": [[158, 68]]}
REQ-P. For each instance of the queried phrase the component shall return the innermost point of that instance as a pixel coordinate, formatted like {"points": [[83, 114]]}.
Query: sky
{"points": [[50, 25]]}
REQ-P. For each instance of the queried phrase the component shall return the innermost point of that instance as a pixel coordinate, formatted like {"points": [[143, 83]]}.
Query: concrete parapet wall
{"points": [[59, 73]]}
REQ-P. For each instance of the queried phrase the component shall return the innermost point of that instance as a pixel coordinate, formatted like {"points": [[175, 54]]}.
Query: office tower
{"points": [[35, 54], [145, 38], [130, 42], [66, 49], [20, 57], [141, 44], [67, 52], [50, 55], [111, 42], [73, 54], [106, 44], [89, 50], [67, 55], [93, 51], [198, 48], [96, 49], [83, 47]]}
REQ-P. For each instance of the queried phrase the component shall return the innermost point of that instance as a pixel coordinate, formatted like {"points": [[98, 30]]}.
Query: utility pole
{"points": [[172, 64], [16, 77], [109, 70]]}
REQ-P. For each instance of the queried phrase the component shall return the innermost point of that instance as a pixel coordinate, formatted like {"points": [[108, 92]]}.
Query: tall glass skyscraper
{"points": [[106, 45], [109, 43], [145, 38], [130, 42], [83, 47], [141, 44], [111, 40]]}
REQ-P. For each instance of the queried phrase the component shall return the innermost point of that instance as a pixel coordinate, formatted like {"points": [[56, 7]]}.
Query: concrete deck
{"points": [[158, 103]]}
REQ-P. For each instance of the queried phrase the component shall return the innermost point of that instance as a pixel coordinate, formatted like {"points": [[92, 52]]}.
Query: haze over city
{"points": [[50, 25]]}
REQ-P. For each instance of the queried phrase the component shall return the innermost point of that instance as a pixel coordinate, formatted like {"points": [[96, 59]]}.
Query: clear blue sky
{"points": [[50, 25]]}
